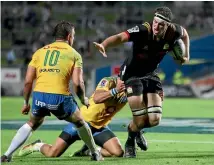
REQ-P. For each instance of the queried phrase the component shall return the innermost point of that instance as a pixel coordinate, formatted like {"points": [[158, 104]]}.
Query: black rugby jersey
{"points": [[147, 52]]}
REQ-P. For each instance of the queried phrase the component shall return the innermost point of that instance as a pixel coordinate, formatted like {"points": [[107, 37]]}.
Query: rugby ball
{"points": [[178, 49]]}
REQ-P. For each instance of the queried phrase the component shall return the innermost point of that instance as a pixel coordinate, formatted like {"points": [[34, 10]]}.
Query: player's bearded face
{"points": [[159, 26]]}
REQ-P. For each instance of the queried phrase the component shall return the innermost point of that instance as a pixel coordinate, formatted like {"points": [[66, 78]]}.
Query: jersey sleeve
{"points": [[34, 60], [178, 32], [78, 60], [173, 33], [138, 32], [104, 84]]}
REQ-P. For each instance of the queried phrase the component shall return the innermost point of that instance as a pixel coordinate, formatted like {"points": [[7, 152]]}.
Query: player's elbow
{"points": [[28, 81], [122, 37], [77, 85], [28, 86]]}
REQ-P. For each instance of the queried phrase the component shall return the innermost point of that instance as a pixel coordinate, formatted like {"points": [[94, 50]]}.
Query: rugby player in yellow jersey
{"points": [[108, 98], [52, 67]]}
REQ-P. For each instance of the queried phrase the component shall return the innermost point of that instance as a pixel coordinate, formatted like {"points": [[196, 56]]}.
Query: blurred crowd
{"points": [[27, 26]]}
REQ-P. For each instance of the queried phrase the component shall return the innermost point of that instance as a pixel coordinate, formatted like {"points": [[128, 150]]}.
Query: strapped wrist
{"points": [[113, 91], [25, 102]]}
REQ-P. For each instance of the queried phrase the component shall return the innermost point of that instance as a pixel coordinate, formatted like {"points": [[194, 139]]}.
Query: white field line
{"points": [[176, 141], [181, 141]]}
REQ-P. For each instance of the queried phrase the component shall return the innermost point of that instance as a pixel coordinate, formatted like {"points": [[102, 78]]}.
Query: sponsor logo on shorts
{"points": [[43, 104]]}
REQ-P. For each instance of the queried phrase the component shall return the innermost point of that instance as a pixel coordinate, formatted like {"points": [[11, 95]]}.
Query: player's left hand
{"points": [[25, 109]]}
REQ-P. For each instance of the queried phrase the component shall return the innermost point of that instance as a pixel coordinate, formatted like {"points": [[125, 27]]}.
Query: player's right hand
{"points": [[120, 87], [180, 61], [101, 48], [25, 109]]}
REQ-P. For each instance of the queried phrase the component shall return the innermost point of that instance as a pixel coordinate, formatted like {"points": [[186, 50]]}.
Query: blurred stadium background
{"points": [[27, 26], [189, 89]]}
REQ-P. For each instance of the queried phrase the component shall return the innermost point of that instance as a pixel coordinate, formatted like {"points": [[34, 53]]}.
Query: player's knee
{"points": [[79, 123], [154, 114], [34, 124], [117, 153], [140, 123], [139, 117], [154, 122], [77, 119]]}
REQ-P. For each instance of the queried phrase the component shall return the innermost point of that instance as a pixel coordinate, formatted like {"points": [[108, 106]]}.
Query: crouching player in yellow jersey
{"points": [[52, 67], [108, 98]]}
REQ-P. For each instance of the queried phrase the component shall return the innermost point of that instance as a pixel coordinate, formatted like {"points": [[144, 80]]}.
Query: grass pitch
{"points": [[164, 148]]}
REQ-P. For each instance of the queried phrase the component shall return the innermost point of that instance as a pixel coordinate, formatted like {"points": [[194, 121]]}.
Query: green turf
{"points": [[187, 108], [164, 148], [188, 150]]}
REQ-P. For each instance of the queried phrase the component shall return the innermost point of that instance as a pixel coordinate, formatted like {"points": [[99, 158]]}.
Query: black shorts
{"points": [[138, 86], [101, 136]]}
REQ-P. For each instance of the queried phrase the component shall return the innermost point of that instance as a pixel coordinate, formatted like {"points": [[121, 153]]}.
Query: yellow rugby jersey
{"points": [[100, 115], [54, 65]]}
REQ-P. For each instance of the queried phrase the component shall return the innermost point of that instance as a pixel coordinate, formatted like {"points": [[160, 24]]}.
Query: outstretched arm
{"points": [[100, 95], [111, 42]]}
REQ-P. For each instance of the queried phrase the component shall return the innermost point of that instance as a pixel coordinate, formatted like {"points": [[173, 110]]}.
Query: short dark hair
{"points": [[165, 11], [63, 29]]}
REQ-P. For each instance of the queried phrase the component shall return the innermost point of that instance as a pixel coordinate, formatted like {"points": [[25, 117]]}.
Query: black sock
{"points": [[84, 148], [131, 137]]}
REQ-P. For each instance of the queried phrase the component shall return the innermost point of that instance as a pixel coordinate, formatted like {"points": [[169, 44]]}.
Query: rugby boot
{"points": [[28, 149], [141, 141], [130, 151], [4, 159], [97, 156]]}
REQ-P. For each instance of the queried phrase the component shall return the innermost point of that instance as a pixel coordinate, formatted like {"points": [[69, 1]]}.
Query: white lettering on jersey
{"points": [[134, 29]]}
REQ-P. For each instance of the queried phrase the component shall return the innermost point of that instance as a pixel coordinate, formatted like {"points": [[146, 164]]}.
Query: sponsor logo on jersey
{"points": [[129, 90], [145, 47], [134, 29], [49, 70], [147, 25], [103, 83]]}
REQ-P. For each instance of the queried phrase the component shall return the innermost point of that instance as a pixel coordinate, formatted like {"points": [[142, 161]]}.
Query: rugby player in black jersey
{"points": [[151, 41]]}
